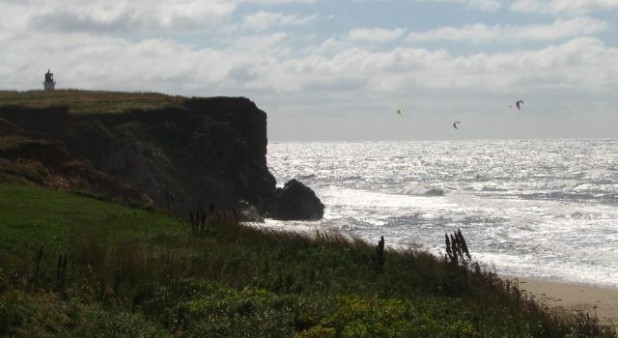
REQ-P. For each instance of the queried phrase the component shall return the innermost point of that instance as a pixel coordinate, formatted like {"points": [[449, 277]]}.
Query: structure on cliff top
{"points": [[49, 83]]}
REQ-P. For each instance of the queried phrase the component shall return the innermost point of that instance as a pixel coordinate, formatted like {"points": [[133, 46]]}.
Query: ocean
{"points": [[530, 208]]}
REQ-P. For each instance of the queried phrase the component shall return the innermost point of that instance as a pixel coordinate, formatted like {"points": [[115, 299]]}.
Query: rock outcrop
{"points": [[295, 201], [203, 152]]}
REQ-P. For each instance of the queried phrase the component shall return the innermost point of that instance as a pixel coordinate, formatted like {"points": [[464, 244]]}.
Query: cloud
{"points": [[481, 33], [375, 34], [484, 5], [572, 65], [560, 29], [139, 15], [263, 20], [278, 2], [266, 64], [562, 6], [476, 32], [269, 44]]}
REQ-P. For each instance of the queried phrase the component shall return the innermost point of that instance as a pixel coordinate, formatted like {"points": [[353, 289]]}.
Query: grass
{"points": [[12, 143], [89, 102], [110, 271], [20, 172]]}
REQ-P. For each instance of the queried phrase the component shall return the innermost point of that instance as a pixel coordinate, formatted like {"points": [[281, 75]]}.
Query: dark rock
{"points": [[247, 213], [295, 201], [49, 123], [44, 163]]}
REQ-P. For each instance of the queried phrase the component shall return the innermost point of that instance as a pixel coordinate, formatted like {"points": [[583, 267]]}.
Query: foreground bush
{"points": [[71, 266]]}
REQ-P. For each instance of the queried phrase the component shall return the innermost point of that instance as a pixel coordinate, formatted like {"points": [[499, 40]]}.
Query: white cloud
{"points": [[264, 20], [267, 43], [573, 64], [476, 32], [375, 34], [562, 6], [277, 2], [484, 5], [268, 64], [139, 15], [481, 33], [560, 29]]}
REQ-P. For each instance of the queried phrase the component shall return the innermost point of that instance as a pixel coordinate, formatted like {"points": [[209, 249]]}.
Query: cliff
{"points": [[195, 153]]}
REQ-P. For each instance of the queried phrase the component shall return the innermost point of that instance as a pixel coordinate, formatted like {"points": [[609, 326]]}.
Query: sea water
{"points": [[535, 208]]}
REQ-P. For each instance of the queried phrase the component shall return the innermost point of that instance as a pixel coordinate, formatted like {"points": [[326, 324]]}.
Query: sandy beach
{"points": [[599, 301]]}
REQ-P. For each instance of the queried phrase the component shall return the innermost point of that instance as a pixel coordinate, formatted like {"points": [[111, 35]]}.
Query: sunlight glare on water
{"points": [[541, 208]]}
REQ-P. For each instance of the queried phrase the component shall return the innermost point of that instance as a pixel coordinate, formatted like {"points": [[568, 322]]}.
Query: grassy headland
{"points": [[88, 101], [73, 266]]}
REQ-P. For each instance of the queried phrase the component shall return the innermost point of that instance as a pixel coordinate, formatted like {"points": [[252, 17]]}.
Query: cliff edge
{"points": [[188, 154]]}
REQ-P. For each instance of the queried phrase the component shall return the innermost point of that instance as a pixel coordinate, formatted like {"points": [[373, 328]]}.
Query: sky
{"points": [[339, 70]]}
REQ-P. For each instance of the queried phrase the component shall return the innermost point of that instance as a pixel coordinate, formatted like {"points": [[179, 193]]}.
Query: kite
{"points": [[518, 104], [400, 112], [455, 124]]}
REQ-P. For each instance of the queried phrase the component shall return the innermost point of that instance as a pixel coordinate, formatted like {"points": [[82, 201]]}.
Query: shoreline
{"points": [[598, 301]]}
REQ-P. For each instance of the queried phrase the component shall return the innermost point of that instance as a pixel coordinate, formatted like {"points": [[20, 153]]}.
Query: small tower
{"points": [[49, 83]]}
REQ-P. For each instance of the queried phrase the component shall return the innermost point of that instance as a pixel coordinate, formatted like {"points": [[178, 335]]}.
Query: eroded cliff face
{"points": [[207, 151]]}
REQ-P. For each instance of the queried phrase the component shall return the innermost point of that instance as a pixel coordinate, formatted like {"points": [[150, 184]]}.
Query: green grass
{"points": [[89, 102], [36, 217], [131, 272]]}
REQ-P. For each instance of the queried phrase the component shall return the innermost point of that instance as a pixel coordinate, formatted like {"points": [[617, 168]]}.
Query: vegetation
{"points": [[88, 102], [72, 266], [17, 172]]}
